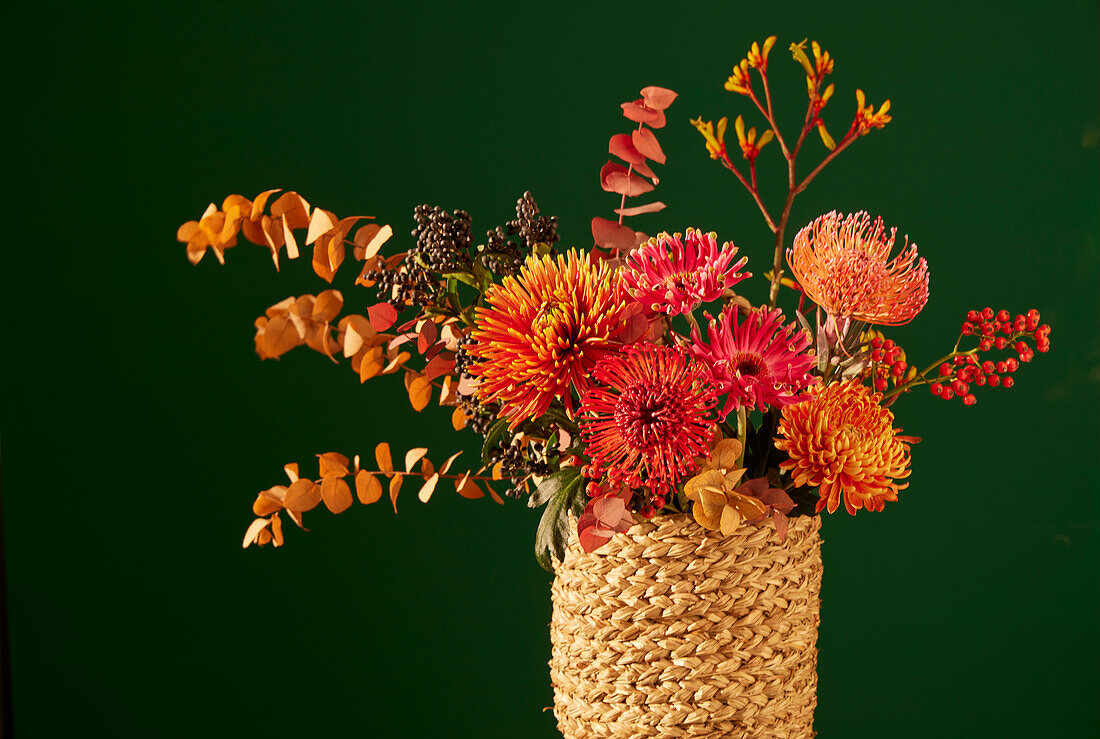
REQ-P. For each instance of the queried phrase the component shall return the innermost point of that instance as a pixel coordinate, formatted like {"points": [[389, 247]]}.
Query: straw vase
{"points": [[671, 631]]}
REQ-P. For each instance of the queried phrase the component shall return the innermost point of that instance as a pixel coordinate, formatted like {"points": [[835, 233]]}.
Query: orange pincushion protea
{"points": [[544, 331], [842, 264], [844, 442]]}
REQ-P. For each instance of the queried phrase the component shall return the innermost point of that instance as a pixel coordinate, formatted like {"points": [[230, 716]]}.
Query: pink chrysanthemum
{"points": [[843, 264], [671, 275], [648, 417], [757, 362]]}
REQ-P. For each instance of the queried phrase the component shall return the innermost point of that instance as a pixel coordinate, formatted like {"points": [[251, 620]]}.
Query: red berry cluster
{"points": [[890, 359], [643, 502], [998, 330]]}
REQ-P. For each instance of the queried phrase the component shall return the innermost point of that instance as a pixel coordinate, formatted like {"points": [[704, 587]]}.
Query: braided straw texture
{"points": [[672, 631]]}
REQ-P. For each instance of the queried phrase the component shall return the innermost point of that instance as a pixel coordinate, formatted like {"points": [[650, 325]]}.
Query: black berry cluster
{"points": [[508, 245]]}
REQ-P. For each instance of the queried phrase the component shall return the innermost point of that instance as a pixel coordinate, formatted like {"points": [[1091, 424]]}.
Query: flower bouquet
{"points": [[681, 439]]}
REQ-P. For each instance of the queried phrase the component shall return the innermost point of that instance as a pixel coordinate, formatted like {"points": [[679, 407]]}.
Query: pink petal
{"points": [[612, 235], [646, 144], [622, 146], [639, 209], [638, 112], [630, 185], [658, 98]]}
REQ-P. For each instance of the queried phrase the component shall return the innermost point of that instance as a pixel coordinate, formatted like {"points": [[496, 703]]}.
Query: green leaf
{"points": [[541, 249], [553, 532], [465, 277], [551, 486], [495, 432], [484, 278]]}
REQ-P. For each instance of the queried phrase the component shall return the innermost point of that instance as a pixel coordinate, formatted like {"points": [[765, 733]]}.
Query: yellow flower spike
{"points": [[764, 139], [867, 118], [768, 44], [825, 137], [823, 63], [715, 144], [739, 127], [739, 81], [798, 52], [827, 94]]}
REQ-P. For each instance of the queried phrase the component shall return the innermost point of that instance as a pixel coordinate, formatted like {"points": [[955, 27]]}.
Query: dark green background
{"points": [[138, 424]]}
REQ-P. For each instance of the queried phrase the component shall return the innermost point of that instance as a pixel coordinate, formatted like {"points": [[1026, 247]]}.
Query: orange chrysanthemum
{"points": [[544, 331], [843, 264], [844, 442]]}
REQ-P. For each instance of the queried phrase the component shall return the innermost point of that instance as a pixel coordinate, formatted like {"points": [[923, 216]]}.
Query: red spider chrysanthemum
{"points": [[647, 417], [758, 362], [843, 441], [544, 331], [843, 264], [674, 275]]}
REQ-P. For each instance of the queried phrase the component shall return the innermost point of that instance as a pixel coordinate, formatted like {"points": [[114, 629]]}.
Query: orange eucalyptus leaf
{"points": [[320, 223], [372, 364], [293, 208], [428, 488], [280, 308], [426, 467], [280, 336], [458, 419], [420, 393], [259, 203], [303, 306], [449, 461], [396, 362], [291, 243], [367, 488], [327, 305], [469, 489], [336, 493], [297, 519], [395, 489], [413, 456], [369, 239], [382, 456], [277, 529], [494, 495], [333, 463], [291, 471], [449, 392], [321, 265], [253, 532], [302, 495], [269, 501], [498, 471]]}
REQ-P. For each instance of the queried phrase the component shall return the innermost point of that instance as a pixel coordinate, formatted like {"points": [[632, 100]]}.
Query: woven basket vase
{"points": [[672, 631]]}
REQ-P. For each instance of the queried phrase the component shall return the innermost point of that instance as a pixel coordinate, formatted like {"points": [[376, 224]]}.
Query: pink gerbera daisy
{"points": [[757, 362], [647, 417], [671, 275]]}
